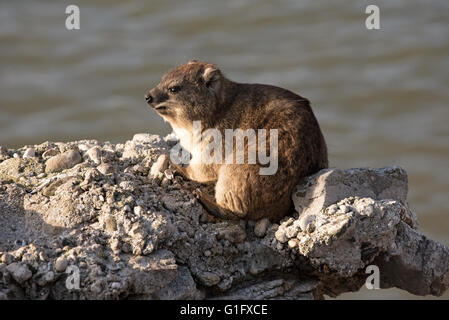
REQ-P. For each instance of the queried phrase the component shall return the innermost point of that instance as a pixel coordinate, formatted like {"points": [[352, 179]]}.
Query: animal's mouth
{"points": [[160, 108]]}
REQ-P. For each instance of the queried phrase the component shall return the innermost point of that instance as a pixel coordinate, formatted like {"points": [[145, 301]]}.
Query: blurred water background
{"points": [[381, 96]]}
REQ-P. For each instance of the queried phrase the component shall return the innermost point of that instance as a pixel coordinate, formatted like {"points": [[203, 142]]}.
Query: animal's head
{"points": [[188, 93]]}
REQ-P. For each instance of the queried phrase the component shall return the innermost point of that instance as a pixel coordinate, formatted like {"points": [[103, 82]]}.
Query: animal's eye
{"points": [[174, 89]]}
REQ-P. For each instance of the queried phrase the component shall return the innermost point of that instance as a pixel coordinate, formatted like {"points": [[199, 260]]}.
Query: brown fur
{"points": [[203, 93]]}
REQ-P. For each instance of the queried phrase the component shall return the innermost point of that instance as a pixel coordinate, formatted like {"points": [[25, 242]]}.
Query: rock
{"points": [[105, 168], [208, 279], [4, 154], [280, 235], [153, 273], [183, 287], [7, 258], [291, 231], [329, 186], [110, 223], [63, 161], [138, 210], [144, 137], [29, 153], [292, 243], [94, 154], [16, 168], [3, 151], [158, 168], [275, 289], [233, 233], [306, 223], [19, 272], [142, 145], [61, 264], [261, 226], [130, 237], [46, 278]]}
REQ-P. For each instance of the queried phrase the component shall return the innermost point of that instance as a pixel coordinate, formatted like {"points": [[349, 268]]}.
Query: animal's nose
{"points": [[148, 98]]}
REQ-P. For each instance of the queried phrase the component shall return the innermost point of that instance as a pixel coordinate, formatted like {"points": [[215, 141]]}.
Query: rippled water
{"points": [[381, 96]]}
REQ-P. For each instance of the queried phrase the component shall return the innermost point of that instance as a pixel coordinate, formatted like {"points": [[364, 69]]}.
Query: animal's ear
{"points": [[211, 77]]}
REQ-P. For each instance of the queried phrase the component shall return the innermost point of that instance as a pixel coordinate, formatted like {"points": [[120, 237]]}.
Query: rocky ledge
{"points": [[96, 220]]}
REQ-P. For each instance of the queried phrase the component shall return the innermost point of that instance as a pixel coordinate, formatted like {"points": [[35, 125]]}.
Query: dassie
{"points": [[198, 91]]}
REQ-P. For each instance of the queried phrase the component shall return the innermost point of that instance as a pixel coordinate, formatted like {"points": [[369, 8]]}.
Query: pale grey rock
{"points": [[329, 186], [94, 154], [61, 264], [29, 153], [19, 271], [261, 226]]}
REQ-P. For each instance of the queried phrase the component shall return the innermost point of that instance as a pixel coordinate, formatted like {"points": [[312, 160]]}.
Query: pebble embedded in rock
{"points": [[369, 210], [261, 226], [292, 243], [61, 264], [344, 208], [307, 223], [116, 285], [63, 161], [280, 235], [29, 153], [138, 210], [291, 231], [332, 209]]}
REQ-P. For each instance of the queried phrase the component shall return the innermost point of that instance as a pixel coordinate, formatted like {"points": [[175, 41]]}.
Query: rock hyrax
{"points": [[198, 91]]}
